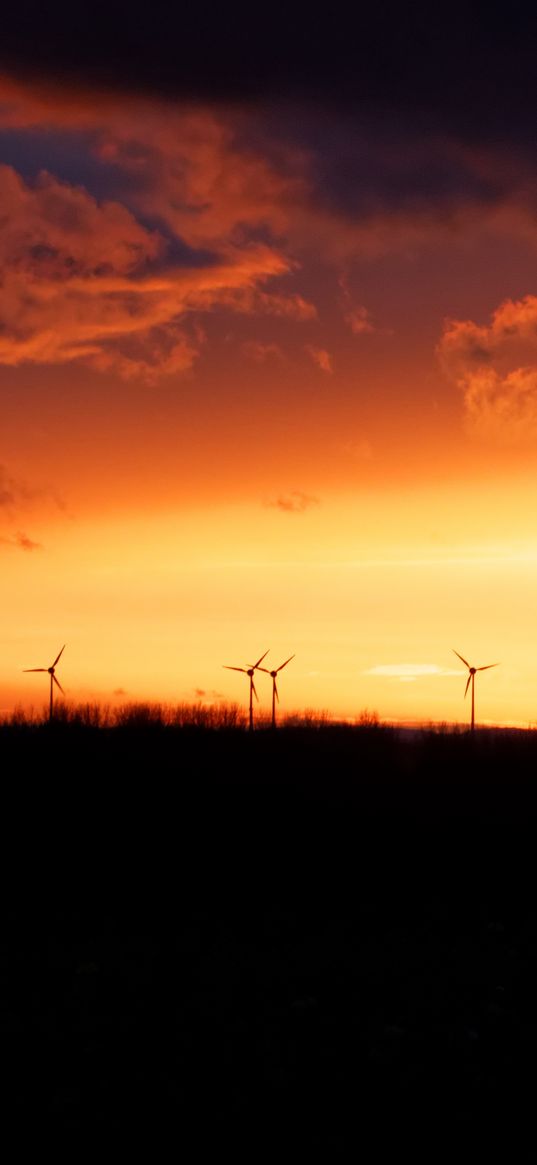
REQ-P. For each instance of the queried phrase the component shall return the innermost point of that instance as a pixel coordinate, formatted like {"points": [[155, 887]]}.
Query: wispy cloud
{"points": [[356, 315], [12, 490], [21, 541], [358, 450], [262, 353], [359, 320], [18, 496], [320, 357], [295, 502]]}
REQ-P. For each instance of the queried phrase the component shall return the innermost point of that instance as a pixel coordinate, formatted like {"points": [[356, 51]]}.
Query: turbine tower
{"points": [[53, 680], [471, 680], [249, 671], [275, 695]]}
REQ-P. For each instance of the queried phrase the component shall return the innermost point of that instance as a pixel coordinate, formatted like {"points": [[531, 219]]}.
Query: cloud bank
{"points": [[156, 215]]}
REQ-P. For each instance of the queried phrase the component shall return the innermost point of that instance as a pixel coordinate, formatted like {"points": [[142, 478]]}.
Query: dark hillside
{"points": [[315, 935]]}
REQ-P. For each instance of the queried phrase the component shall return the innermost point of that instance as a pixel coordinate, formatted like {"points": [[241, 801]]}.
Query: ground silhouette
{"points": [[305, 938]]}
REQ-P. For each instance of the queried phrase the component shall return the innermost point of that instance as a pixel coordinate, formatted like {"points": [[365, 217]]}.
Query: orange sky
{"points": [[252, 400]]}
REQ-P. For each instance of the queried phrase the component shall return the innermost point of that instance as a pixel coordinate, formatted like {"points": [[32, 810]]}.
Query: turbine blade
{"points": [[465, 661], [468, 682], [58, 685], [286, 662], [265, 669], [253, 689], [35, 669], [276, 691], [261, 657], [58, 656], [229, 668], [487, 666]]}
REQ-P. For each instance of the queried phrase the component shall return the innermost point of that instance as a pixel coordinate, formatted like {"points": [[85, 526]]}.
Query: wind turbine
{"points": [[53, 680], [471, 680], [249, 671], [275, 695]]}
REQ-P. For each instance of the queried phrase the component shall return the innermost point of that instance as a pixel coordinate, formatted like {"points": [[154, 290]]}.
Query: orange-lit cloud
{"points": [[358, 450], [355, 315], [212, 176], [295, 502], [85, 281], [10, 490], [17, 495], [260, 353], [88, 280], [359, 321], [320, 357], [491, 365], [21, 541]]}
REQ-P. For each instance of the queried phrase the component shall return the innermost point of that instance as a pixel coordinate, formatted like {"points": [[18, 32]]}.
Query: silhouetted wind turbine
{"points": [[471, 680], [249, 671], [275, 695], [53, 680]]}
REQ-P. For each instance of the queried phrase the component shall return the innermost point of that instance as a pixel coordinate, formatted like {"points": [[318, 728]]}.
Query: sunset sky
{"points": [[268, 362]]}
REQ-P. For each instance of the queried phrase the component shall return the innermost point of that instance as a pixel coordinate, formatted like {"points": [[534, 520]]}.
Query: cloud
{"points": [[358, 450], [203, 209], [208, 694], [262, 353], [83, 281], [25, 543], [12, 491], [359, 321], [205, 176], [21, 541], [89, 280], [320, 357], [17, 496], [8, 488], [495, 367], [408, 672], [394, 59], [295, 502], [355, 315]]}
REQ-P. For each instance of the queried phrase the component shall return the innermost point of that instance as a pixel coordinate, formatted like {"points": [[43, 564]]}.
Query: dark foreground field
{"points": [[267, 945]]}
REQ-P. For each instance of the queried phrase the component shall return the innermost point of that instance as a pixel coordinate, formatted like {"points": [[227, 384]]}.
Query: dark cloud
{"points": [[466, 64]]}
